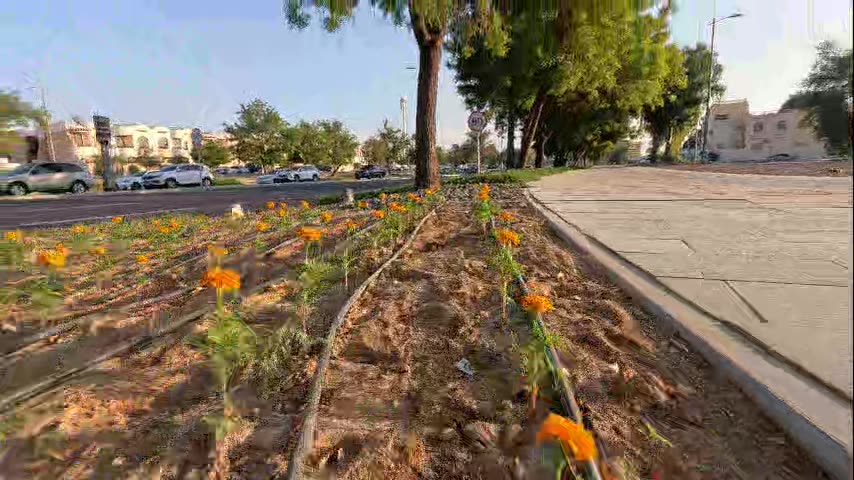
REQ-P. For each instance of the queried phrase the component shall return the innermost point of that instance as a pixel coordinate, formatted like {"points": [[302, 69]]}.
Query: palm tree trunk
{"points": [[429, 41]]}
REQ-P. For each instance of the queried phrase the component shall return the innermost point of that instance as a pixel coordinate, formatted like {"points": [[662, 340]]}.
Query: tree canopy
{"points": [[259, 134], [14, 113], [683, 101], [387, 147], [324, 142], [212, 154], [826, 96]]}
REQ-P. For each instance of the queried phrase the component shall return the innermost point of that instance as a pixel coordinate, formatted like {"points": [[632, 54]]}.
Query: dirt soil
{"points": [[822, 168]]}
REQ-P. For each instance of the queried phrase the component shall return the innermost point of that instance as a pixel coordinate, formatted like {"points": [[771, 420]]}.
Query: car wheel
{"points": [[171, 183], [315, 178], [206, 182], [78, 187], [135, 186], [18, 189], [296, 178]]}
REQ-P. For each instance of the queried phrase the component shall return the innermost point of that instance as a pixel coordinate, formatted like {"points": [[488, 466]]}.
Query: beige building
{"points": [[737, 134]]}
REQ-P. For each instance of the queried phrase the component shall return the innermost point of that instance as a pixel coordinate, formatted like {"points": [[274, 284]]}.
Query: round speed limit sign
{"points": [[477, 121]]}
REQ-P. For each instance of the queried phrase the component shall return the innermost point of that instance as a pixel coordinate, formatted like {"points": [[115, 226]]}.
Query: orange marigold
{"points": [[310, 234], [262, 227], [412, 197], [484, 193], [52, 258], [537, 303], [428, 192], [362, 204], [351, 225], [118, 219], [174, 223], [78, 229], [98, 250], [326, 217], [572, 435], [221, 279], [507, 238], [271, 205], [304, 204], [507, 217], [142, 259], [164, 230], [283, 212], [12, 236], [378, 214], [396, 207]]}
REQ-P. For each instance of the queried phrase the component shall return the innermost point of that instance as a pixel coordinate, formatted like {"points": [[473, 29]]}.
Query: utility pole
{"points": [[713, 23], [403, 114]]}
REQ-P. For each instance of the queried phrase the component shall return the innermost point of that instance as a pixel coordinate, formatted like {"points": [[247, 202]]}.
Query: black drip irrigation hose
{"points": [[562, 384], [305, 442]]}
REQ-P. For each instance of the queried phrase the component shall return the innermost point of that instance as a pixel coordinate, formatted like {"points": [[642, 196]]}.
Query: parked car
{"points": [[222, 171], [371, 171], [253, 168], [130, 182], [301, 174], [269, 178], [780, 157], [177, 175], [47, 177], [283, 175]]}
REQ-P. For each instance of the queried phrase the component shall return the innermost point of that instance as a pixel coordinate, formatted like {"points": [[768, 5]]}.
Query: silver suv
{"points": [[47, 177], [173, 176]]}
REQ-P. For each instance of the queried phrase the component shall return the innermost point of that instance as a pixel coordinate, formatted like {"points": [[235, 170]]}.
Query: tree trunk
{"points": [[429, 60], [656, 144], [540, 149], [510, 161], [530, 128]]}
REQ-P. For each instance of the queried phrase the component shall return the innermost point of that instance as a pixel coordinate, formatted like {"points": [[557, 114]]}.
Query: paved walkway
{"points": [[768, 255]]}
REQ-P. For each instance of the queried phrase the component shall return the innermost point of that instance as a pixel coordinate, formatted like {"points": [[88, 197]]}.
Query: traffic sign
{"points": [[477, 121], [102, 128]]}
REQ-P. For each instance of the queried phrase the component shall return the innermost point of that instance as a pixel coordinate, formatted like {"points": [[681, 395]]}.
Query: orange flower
{"points": [[572, 435], [304, 204], [271, 205], [52, 258], [142, 259], [310, 234], [537, 303], [283, 212], [156, 223], [262, 227], [484, 193], [507, 217], [326, 217], [283, 205], [98, 251], [378, 214], [351, 225], [396, 207], [78, 229], [164, 230], [362, 204], [118, 219], [412, 197], [221, 279], [507, 238], [419, 200], [428, 192], [383, 197], [62, 249], [12, 236], [174, 223]]}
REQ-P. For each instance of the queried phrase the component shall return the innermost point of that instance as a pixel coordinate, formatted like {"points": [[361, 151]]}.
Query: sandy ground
{"points": [[824, 168]]}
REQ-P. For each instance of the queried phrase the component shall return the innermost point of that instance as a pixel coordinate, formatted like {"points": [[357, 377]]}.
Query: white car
{"points": [[175, 175], [267, 179], [130, 182], [305, 173]]}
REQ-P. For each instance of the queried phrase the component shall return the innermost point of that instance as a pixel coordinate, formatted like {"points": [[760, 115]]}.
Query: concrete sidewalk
{"points": [[766, 259]]}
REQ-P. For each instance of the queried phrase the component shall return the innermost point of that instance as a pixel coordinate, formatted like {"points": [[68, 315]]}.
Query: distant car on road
{"points": [[179, 175], [371, 171], [221, 171], [302, 174], [780, 157], [47, 177], [130, 182], [270, 178]]}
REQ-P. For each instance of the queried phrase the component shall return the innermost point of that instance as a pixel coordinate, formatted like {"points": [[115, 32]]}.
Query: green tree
{"points": [[260, 135], [375, 151], [14, 113], [826, 96], [211, 154], [430, 21], [682, 102], [325, 142], [388, 146]]}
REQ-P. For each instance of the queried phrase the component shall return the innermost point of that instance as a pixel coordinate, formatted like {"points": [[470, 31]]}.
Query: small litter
{"points": [[464, 366], [236, 210]]}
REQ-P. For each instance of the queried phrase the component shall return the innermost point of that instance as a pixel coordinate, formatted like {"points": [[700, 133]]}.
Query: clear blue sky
{"points": [[191, 62]]}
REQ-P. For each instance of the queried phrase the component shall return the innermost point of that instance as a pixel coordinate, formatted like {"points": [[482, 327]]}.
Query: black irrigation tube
{"points": [[562, 384], [306, 436], [137, 343]]}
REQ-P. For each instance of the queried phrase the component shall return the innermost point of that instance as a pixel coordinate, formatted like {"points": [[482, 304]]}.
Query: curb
{"points": [[817, 422]]}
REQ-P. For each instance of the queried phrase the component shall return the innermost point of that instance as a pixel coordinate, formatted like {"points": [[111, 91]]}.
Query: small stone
{"points": [[119, 461]]}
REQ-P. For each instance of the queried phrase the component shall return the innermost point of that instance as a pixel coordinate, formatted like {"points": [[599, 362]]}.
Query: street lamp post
{"points": [[713, 23]]}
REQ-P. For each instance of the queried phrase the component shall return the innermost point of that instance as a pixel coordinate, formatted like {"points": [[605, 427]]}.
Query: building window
{"points": [[143, 143], [81, 139], [721, 116], [781, 125], [163, 143], [186, 145], [124, 141], [758, 127]]}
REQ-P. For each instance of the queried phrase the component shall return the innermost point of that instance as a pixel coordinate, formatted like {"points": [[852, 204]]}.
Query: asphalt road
{"points": [[39, 213]]}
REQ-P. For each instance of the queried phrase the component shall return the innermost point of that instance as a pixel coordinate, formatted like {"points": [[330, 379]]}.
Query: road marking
{"points": [[93, 219]]}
